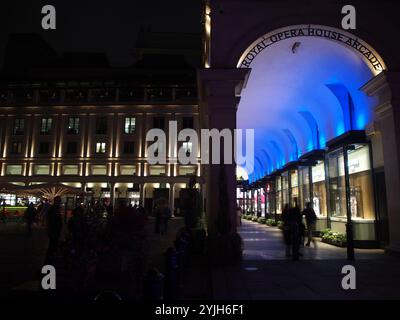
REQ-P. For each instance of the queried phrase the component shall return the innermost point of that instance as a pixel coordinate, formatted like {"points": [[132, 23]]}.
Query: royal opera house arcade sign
{"points": [[367, 53]]}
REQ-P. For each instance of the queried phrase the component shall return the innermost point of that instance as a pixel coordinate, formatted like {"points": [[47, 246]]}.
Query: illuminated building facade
{"points": [[86, 128]]}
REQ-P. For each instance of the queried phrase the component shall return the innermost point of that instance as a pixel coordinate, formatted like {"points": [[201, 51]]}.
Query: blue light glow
{"points": [[298, 102]]}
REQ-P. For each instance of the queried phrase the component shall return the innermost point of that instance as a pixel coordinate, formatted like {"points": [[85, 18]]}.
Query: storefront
{"points": [[350, 188], [312, 185], [290, 184], [278, 194], [270, 197]]}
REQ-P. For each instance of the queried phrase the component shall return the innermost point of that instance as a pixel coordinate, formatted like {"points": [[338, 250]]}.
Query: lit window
{"points": [[46, 125], [100, 147], [187, 170], [70, 170], [13, 170], [99, 170], [73, 125], [19, 126], [41, 169], [127, 170], [157, 170], [130, 125]]}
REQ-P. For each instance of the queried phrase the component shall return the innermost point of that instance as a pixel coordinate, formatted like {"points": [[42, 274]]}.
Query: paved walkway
{"points": [[266, 274], [22, 258], [262, 242]]}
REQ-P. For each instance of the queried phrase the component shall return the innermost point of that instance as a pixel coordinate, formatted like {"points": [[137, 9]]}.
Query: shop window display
{"points": [[304, 186], [294, 188], [360, 182], [319, 188], [278, 183], [361, 187], [285, 188]]}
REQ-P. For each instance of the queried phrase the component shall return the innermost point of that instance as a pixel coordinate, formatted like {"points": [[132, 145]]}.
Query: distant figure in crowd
{"points": [[311, 219], [127, 225], [99, 209], [286, 229], [77, 229], [43, 211], [141, 210], [162, 214], [54, 226], [109, 208], [293, 230], [30, 217], [296, 230], [239, 215], [3, 211]]}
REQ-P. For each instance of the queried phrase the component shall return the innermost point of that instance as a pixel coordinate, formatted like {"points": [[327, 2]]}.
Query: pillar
{"points": [[219, 96], [112, 193], [172, 197], [142, 195], [386, 87]]}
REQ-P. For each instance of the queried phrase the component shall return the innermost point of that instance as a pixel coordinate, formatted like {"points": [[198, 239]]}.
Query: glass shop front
{"points": [[279, 199], [361, 196]]}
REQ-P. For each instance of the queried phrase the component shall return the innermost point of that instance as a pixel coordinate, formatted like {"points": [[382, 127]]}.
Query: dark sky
{"points": [[100, 26]]}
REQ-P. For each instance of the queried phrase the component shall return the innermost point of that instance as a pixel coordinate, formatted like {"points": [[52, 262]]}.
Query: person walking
{"points": [[311, 219], [43, 211], [296, 230], [3, 211], [286, 229], [108, 208], [54, 223], [30, 216]]}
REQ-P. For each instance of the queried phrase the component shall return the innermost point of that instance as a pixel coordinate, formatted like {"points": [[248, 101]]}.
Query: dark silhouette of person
{"points": [[286, 229], [311, 219], [4, 211], [109, 208], [54, 223], [296, 230], [78, 230], [30, 216]]}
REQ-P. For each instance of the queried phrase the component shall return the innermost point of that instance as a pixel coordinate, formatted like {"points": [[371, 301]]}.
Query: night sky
{"points": [[99, 26]]}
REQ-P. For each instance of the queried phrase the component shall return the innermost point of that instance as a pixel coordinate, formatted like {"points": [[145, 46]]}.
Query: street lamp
{"points": [[349, 223]]}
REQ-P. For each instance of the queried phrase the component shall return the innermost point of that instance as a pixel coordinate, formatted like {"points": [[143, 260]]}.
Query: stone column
{"points": [[172, 197], [219, 96], [142, 195], [112, 193], [386, 87]]}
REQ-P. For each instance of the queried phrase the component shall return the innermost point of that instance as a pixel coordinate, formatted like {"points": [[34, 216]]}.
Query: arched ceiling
{"points": [[290, 90]]}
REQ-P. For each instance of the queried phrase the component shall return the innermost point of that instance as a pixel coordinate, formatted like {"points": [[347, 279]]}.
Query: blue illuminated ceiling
{"points": [[296, 102]]}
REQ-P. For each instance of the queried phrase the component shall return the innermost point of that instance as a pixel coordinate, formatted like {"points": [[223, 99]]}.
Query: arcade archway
{"points": [[312, 123]]}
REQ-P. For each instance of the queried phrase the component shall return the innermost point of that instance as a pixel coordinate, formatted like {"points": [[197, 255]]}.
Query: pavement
{"points": [[266, 273], [22, 257]]}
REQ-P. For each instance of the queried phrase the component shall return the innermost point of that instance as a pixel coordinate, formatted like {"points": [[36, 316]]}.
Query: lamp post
{"points": [[349, 223]]}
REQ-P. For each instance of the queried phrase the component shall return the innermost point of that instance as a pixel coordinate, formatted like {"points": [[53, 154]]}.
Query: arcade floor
{"points": [[266, 274]]}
